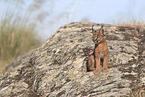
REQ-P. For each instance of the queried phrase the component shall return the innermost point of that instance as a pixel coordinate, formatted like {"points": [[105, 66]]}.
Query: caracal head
{"points": [[97, 34]]}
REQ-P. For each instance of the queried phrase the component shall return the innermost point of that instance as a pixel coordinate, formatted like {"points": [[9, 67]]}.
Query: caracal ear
{"points": [[92, 29], [101, 31]]}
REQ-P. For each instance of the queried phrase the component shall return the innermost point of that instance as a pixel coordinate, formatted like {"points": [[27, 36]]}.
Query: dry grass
{"points": [[17, 36], [129, 20], [3, 65]]}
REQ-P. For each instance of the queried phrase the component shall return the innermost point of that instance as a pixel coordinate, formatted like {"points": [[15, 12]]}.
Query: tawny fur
{"points": [[100, 52]]}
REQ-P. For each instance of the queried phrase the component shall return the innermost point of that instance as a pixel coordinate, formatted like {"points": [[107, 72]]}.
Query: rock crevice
{"points": [[58, 67]]}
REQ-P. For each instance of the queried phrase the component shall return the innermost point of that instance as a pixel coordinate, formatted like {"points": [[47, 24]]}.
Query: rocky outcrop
{"points": [[58, 67]]}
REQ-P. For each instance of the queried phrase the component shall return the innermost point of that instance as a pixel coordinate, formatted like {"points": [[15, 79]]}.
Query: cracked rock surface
{"points": [[58, 67]]}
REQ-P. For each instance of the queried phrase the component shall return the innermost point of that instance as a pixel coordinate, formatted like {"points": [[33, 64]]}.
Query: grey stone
{"points": [[58, 67]]}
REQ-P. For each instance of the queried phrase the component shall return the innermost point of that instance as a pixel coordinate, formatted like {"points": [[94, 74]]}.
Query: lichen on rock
{"points": [[58, 67]]}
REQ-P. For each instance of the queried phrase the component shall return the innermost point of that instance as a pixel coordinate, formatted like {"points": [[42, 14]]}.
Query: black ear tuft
{"points": [[101, 31], [92, 28]]}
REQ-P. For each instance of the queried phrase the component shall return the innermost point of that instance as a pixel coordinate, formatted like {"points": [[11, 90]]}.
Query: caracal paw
{"points": [[105, 69], [91, 68], [96, 71]]}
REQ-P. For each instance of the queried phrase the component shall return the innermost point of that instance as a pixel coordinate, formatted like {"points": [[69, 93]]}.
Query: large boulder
{"points": [[58, 67]]}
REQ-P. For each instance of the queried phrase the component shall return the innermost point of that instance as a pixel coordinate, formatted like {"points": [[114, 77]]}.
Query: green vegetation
{"points": [[17, 36]]}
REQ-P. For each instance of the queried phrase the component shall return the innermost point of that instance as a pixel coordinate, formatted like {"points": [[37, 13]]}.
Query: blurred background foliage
{"points": [[18, 31]]}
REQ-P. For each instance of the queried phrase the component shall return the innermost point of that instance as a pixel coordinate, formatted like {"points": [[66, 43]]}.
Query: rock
{"points": [[58, 67]]}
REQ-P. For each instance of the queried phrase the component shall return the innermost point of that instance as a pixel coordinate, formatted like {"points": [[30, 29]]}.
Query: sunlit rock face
{"points": [[58, 67]]}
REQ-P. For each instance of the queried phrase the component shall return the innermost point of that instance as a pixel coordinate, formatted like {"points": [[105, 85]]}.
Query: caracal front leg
{"points": [[105, 61], [97, 63]]}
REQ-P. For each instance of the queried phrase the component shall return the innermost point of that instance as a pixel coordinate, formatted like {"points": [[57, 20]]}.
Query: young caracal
{"points": [[100, 52]]}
